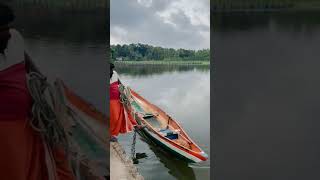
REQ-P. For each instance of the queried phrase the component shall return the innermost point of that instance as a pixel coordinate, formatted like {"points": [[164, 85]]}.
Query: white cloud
{"points": [[167, 23], [197, 11], [146, 3], [118, 35]]}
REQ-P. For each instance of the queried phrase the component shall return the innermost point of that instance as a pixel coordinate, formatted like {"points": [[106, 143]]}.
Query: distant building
{"points": [[119, 58]]}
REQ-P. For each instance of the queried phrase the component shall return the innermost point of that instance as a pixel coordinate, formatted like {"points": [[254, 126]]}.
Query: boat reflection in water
{"points": [[176, 167]]}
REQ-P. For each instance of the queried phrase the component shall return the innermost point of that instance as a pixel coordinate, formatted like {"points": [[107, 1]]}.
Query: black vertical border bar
{"points": [[213, 76], [108, 57]]}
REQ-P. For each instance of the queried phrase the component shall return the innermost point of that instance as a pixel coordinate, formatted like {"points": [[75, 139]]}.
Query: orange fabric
{"points": [[63, 168], [21, 148], [120, 120], [22, 154]]}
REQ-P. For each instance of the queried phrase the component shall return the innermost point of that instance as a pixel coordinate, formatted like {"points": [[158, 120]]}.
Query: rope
{"points": [[48, 109], [45, 120], [124, 93]]}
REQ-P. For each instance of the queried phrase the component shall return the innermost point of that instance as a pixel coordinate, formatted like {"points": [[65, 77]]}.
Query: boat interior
{"points": [[169, 129], [156, 119]]}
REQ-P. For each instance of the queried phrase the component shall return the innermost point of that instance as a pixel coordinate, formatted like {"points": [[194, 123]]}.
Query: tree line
{"points": [[83, 5], [260, 4], [144, 52]]}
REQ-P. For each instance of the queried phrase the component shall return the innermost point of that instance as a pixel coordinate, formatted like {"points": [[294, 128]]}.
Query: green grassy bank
{"points": [[162, 62]]}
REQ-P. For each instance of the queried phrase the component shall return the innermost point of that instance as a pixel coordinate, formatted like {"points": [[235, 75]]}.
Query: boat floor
{"points": [[154, 122], [182, 142], [157, 125]]}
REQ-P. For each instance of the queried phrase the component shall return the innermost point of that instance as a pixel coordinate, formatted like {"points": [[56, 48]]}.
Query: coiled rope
{"points": [[49, 111], [124, 93], [44, 110]]}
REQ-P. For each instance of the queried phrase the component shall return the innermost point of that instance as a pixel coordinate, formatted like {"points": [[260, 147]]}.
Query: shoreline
{"points": [[122, 167], [199, 63]]}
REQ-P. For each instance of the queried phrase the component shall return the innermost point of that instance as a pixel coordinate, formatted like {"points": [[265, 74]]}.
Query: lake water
{"points": [[266, 119], [70, 46], [183, 93]]}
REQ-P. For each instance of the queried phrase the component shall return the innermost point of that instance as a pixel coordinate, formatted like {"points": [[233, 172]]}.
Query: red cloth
{"points": [[114, 91], [22, 155], [120, 120], [13, 92]]}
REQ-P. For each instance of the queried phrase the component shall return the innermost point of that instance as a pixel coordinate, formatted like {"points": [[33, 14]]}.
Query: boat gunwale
{"points": [[95, 113]]}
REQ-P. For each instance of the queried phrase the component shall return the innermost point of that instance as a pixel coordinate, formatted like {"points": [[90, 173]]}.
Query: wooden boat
{"points": [[87, 129], [161, 128]]}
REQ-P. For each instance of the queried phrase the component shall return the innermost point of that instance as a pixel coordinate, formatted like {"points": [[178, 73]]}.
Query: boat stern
{"points": [[204, 155]]}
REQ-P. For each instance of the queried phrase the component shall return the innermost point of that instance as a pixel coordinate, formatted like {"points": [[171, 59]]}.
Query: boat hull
{"points": [[86, 127], [170, 148]]}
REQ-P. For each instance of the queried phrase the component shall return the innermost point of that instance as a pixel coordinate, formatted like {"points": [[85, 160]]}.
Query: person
{"points": [[24, 154], [120, 120]]}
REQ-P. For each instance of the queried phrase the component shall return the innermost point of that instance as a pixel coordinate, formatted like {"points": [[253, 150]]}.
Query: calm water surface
{"points": [[266, 119], [69, 46], [184, 93]]}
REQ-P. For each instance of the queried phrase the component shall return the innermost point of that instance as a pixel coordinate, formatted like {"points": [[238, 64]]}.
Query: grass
{"points": [[163, 62]]}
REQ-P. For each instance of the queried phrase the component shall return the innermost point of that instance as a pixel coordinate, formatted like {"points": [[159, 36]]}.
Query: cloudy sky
{"points": [[166, 23]]}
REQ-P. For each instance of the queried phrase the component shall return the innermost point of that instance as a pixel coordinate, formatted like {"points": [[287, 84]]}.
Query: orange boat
{"points": [[161, 128], [87, 130]]}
